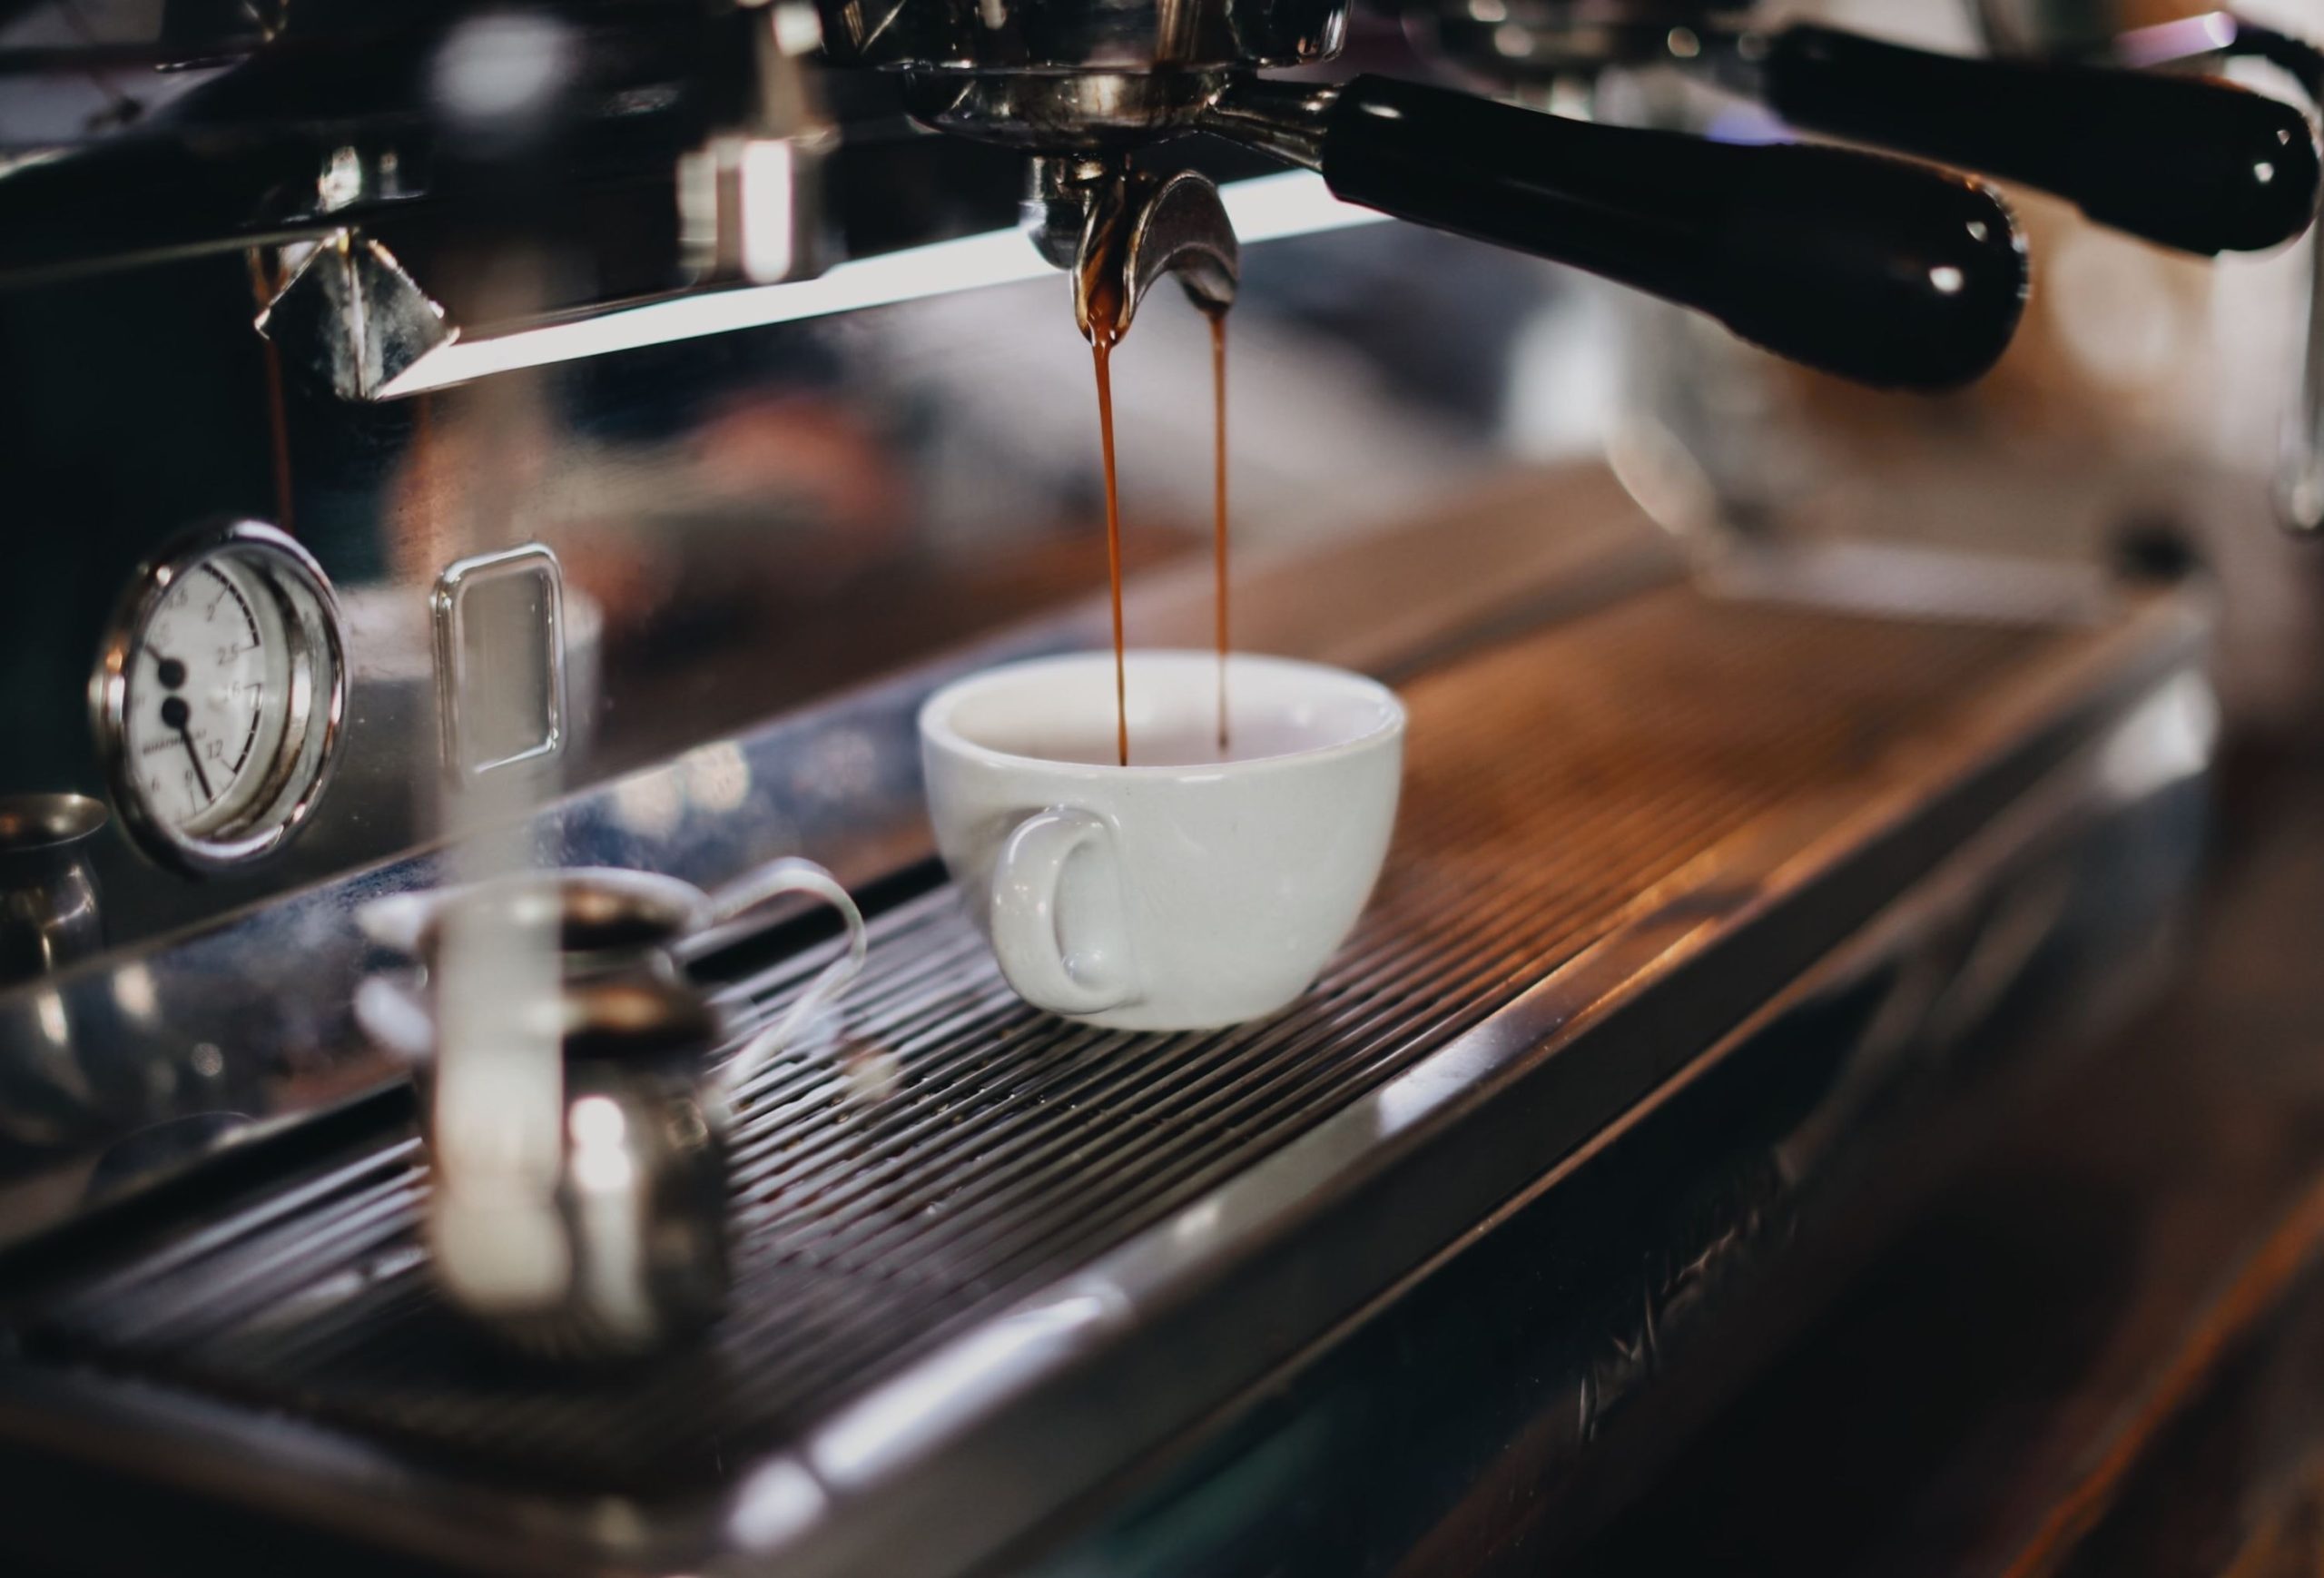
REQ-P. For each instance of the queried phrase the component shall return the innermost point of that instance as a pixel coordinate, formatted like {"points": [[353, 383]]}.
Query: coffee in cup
{"points": [[1190, 890]]}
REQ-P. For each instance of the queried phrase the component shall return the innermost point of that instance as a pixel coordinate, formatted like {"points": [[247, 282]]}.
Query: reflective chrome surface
{"points": [[1281, 119], [576, 1136], [1490, 1412], [1120, 230], [503, 696], [1071, 112], [1265, 1239], [351, 318], [49, 912], [1259, 208], [1993, 820], [250, 1021], [746, 521], [1114, 35], [751, 199], [213, 135]]}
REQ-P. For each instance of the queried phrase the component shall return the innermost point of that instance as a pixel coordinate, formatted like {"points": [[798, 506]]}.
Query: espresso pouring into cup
{"points": [[1185, 892], [1161, 841]]}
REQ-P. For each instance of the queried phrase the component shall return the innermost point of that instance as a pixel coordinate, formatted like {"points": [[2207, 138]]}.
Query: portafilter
{"points": [[1888, 272]]}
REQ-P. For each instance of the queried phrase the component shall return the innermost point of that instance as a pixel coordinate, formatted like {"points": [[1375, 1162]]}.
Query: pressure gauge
{"points": [[218, 698]]}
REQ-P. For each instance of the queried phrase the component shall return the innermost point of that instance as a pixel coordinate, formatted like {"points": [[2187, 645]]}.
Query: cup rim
{"points": [[936, 726]]}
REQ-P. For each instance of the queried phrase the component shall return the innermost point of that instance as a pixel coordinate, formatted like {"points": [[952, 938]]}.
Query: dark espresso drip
{"points": [[1102, 292], [1219, 507], [1104, 350], [1104, 309]]}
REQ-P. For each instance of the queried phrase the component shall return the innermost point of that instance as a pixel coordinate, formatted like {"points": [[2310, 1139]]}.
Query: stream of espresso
{"points": [[1219, 507], [1106, 304], [1102, 347]]}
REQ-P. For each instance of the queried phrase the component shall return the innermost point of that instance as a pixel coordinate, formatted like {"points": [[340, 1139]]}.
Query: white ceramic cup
{"points": [[1182, 891]]}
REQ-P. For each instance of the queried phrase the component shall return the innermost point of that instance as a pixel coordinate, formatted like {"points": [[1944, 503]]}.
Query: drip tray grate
{"points": [[948, 1149]]}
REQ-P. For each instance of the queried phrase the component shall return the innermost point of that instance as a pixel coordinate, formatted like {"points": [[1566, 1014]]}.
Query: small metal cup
{"points": [[48, 895], [575, 1135]]}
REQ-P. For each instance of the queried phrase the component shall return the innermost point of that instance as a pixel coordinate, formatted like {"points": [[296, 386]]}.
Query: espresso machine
{"points": [[459, 446]]}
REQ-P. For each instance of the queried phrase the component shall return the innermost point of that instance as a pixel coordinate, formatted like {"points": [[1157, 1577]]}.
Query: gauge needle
{"points": [[175, 714]]}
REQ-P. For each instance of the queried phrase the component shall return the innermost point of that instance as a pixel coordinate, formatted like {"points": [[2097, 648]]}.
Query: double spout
{"points": [[1118, 230]]}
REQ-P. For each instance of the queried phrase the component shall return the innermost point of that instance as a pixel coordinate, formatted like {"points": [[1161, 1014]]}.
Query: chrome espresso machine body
{"points": [[449, 444]]}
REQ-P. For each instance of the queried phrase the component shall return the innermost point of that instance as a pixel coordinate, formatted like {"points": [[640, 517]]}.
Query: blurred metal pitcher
{"points": [[576, 1128]]}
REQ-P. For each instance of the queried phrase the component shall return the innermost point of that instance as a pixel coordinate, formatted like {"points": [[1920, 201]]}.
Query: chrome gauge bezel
{"points": [[317, 662]]}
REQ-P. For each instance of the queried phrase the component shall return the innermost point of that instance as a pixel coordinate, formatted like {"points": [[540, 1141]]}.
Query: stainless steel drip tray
{"points": [[986, 1257]]}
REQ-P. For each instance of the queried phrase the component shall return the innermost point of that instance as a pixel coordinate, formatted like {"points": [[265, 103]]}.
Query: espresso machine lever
{"points": [[2202, 166], [2199, 165], [2222, 35], [1889, 273]]}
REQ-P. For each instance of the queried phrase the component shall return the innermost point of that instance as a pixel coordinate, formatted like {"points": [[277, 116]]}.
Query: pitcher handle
{"points": [[773, 881]]}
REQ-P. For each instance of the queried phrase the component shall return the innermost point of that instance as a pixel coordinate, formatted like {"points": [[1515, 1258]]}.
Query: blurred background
{"points": [[2063, 1323]]}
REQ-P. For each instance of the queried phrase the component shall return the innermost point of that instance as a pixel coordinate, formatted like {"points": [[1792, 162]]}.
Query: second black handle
{"points": [[2198, 165], [1889, 273]]}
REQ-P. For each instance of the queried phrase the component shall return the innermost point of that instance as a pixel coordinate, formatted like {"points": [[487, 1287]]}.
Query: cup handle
{"points": [[763, 885], [1025, 880]]}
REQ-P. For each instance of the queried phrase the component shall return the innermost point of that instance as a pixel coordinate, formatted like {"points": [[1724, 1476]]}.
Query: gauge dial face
{"points": [[209, 697], [218, 694]]}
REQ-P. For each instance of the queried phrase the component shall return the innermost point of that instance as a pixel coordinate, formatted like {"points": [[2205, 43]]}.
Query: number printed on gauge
{"points": [[218, 697]]}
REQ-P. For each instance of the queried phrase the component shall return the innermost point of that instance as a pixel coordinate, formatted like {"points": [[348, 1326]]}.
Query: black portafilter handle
{"points": [[2196, 164], [1886, 272]]}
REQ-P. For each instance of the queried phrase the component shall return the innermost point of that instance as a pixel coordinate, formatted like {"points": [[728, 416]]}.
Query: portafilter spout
{"points": [[1119, 230]]}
